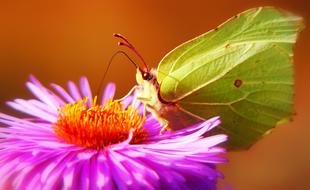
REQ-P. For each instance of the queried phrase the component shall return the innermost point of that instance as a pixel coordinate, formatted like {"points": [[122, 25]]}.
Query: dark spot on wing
{"points": [[238, 83], [216, 29], [227, 45]]}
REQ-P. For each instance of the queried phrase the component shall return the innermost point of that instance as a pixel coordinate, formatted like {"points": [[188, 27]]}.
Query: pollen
{"points": [[97, 126]]}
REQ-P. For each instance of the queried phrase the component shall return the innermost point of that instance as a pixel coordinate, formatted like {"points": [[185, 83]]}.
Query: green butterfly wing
{"points": [[241, 71]]}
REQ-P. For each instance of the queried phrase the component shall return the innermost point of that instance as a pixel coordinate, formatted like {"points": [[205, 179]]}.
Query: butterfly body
{"points": [[167, 113], [241, 71]]}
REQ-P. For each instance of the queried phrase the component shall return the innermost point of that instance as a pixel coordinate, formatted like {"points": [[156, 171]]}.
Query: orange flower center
{"points": [[98, 126]]}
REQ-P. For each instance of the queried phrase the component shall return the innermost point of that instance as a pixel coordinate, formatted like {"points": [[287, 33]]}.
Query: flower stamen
{"points": [[98, 126]]}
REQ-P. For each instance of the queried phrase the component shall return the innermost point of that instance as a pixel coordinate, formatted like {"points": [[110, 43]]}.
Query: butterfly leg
{"points": [[144, 100], [151, 106], [136, 87], [163, 122], [165, 125], [131, 91]]}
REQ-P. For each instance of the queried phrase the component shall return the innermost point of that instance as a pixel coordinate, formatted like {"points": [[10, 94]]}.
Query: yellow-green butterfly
{"points": [[241, 71]]}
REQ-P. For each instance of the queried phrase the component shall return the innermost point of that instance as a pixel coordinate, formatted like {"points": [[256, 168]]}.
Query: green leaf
{"points": [[241, 71]]}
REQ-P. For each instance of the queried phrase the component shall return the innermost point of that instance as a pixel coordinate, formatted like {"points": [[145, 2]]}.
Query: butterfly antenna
{"points": [[109, 64], [127, 44]]}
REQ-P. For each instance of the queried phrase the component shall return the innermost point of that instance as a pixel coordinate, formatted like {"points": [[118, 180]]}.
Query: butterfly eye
{"points": [[147, 76]]}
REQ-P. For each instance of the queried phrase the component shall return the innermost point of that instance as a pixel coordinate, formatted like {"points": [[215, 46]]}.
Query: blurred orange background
{"points": [[60, 41]]}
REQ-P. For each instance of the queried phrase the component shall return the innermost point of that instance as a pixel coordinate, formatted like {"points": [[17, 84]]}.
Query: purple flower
{"points": [[72, 142]]}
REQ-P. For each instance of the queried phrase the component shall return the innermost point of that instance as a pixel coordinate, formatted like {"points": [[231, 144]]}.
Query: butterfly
{"points": [[241, 71]]}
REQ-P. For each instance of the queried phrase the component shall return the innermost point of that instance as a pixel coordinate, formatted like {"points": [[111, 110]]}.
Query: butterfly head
{"points": [[146, 75]]}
